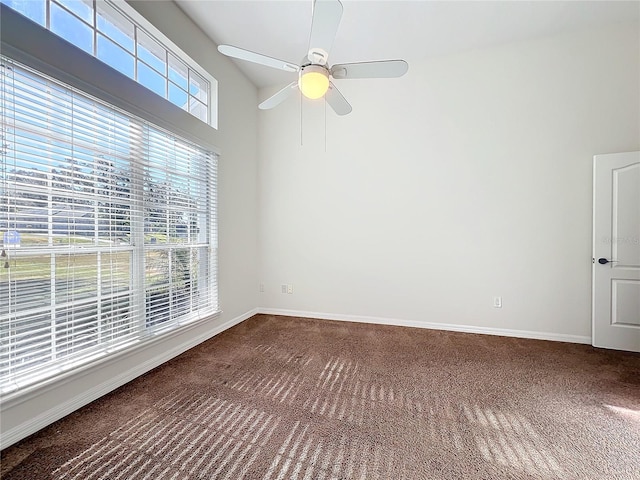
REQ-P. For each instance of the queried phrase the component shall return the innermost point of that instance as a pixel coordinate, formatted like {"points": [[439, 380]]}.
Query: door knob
{"points": [[604, 261]]}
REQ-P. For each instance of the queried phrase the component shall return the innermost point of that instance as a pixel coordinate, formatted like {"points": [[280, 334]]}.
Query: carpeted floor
{"points": [[290, 398]]}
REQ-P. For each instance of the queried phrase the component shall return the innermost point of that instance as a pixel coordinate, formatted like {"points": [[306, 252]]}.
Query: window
{"points": [[115, 33], [108, 229]]}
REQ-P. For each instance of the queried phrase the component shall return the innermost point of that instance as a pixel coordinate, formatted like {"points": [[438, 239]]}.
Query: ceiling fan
{"points": [[314, 72]]}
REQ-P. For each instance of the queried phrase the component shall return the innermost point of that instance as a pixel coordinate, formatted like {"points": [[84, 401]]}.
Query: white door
{"points": [[616, 251]]}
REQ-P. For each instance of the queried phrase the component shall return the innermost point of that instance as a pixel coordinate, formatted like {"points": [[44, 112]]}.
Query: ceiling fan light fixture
{"points": [[314, 81], [314, 70]]}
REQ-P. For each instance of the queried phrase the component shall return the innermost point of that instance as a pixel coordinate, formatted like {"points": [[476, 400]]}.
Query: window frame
{"points": [[143, 139], [31, 44]]}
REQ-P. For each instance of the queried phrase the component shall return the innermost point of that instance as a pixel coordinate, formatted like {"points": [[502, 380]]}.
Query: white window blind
{"points": [[108, 224]]}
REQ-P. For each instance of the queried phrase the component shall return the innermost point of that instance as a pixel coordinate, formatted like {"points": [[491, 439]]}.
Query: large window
{"points": [[108, 229], [113, 32]]}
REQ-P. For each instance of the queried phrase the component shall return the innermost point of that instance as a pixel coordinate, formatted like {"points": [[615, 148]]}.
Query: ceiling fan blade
{"points": [[249, 56], [336, 101], [278, 98], [324, 26], [379, 69]]}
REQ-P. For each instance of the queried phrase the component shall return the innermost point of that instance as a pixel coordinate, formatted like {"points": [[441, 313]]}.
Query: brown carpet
{"points": [[290, 398]]}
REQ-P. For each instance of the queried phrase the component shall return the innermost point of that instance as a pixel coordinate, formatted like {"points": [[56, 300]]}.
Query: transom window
{"points": [[115, 33]]}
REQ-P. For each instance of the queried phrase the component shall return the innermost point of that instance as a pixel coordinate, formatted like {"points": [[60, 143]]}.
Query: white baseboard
{"points": [[47, 417], [58, 411], [503, 332]]}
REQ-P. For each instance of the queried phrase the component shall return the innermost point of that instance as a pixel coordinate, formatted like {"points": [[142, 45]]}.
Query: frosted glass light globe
{"points": [[314, 81]]}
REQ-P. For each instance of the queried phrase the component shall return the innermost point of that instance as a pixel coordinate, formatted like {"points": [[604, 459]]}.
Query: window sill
{"points": [[24, 394]]}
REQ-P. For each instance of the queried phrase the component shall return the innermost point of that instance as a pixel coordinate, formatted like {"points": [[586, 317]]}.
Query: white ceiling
{"points": [[380, 30]]}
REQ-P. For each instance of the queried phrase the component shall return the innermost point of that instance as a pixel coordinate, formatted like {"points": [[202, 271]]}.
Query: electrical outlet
{"points": [[289, 289], [497, 302], [284, 288], [261, 288]]}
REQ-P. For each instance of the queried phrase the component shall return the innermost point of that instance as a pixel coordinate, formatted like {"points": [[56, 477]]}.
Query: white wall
{"points": [[468, 178], [237, 140]]}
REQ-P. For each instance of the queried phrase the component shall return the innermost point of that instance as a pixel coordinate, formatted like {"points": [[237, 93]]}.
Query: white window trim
{"points": [[138, 19]]}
